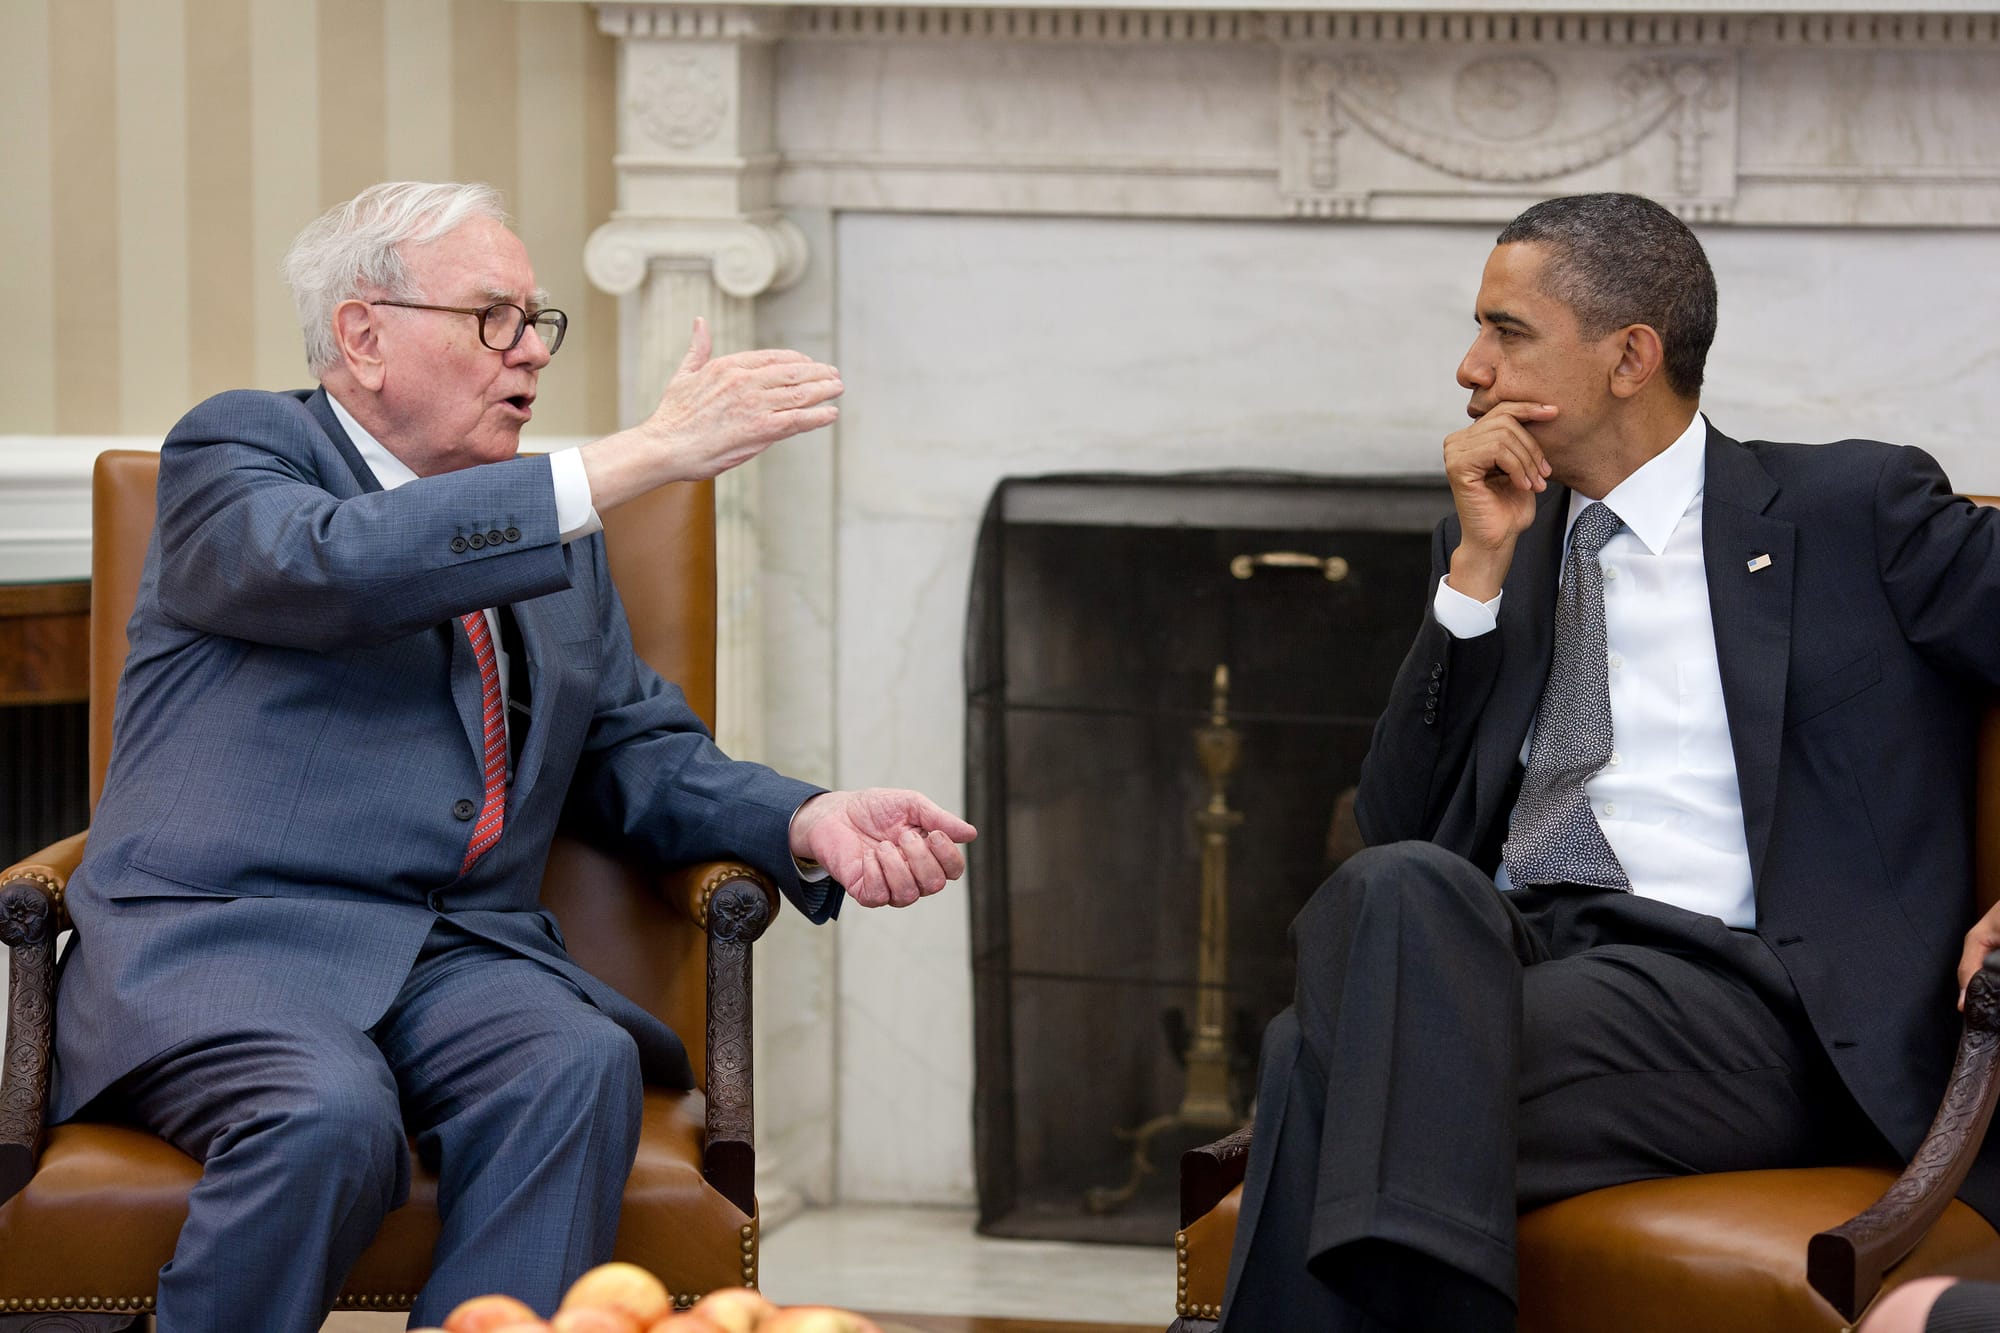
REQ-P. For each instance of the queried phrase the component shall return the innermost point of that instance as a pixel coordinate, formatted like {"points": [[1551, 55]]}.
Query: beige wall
{"points": [[156, 157]]}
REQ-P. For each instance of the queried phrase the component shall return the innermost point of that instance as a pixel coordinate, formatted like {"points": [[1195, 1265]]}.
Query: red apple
{"points": [[488, 1314], [687, 1321], [626, 1288], [735, 1309], [817, 1319], [593, 1319]]}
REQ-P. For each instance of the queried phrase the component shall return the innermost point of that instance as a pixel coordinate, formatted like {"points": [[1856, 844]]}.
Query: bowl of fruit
{"points": [[625, 1298]]}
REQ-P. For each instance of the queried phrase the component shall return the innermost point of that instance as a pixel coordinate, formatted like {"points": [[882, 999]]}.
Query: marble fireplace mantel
{"points": [[778, 166]]}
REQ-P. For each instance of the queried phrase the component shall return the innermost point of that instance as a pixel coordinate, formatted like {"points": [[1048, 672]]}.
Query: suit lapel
{"points": [[539, 645], [1752, 613], [1527, 635]]}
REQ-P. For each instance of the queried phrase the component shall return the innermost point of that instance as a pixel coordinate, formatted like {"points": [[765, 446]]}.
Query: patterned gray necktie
{"points": [[1553, 837]]}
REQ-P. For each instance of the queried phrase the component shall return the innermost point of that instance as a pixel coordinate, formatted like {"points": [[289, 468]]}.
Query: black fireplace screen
{"points": [[1101, 609]]}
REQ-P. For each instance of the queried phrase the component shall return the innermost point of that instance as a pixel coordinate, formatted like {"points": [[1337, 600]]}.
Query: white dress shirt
{"points": [[1668, 800]]}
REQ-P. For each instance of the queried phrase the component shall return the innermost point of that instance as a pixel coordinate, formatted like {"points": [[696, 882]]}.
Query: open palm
{"points": [[885, 845]]}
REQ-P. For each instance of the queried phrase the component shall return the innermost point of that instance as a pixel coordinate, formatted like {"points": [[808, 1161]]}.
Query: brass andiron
{"points": [[1206, 1099]]}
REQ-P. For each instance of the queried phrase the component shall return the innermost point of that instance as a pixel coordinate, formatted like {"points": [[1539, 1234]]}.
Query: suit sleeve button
{"points": [[476, 542], [458, 546], [494, 538], [464, 809], [512, 534], [1430, 717]]}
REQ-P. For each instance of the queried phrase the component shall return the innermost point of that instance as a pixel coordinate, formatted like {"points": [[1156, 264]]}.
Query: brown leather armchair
{"points": [[1799, 1251], [92, 1211]]}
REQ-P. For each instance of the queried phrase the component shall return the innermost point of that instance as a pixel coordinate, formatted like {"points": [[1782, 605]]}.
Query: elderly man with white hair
{"points": [[307, 921]]}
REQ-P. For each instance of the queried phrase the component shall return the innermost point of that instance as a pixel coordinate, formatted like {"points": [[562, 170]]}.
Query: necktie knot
{"points": [[1596, 525]]}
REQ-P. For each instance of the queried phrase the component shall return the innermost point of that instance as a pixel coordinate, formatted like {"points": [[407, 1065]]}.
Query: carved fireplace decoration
{"points": [[1498, 122]]}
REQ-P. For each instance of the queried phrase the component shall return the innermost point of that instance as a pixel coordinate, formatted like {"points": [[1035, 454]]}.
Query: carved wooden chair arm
{"points": [[1209, 1172], [1846, 1264], [733, 904], [31, 916], [692, 888]]}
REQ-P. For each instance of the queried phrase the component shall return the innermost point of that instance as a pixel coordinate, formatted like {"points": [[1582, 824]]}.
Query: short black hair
{"points": [[1619, 259]]}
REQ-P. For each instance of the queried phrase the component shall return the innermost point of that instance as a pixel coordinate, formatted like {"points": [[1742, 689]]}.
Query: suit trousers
{"points": [[1455, 1055], [522, 1096]]}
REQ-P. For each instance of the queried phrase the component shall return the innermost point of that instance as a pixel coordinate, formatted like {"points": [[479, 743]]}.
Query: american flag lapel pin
{"points": [[1757, 562]]}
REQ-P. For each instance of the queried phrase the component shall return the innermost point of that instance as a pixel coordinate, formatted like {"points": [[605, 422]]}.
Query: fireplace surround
{"points": [[1155, 238]]}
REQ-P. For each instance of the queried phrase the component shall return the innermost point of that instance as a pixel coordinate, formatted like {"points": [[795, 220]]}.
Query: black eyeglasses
{"points": [[502, 323]]}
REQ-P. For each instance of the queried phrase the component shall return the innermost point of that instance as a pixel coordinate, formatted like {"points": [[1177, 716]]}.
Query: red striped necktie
{"points": [[486, 831]]}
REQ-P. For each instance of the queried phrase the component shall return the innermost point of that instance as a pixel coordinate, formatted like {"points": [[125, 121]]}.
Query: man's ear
{"points": [[1640, 358], [355, 336]]}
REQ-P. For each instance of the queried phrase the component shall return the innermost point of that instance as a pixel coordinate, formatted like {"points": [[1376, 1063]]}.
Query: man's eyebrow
{"points": [[535, 300], [1501, 317]]}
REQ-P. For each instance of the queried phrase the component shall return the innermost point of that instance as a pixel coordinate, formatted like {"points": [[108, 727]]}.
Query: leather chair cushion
{"points": [[1724, 1253], [1202, 1252], [102, 1214]]}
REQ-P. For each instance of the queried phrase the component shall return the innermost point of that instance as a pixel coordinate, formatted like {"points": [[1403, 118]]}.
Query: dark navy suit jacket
{"points": [[299, 720], [1855, 669]]}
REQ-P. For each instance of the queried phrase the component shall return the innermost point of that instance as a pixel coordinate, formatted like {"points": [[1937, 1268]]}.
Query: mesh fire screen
{"points": [[1101, 608]]}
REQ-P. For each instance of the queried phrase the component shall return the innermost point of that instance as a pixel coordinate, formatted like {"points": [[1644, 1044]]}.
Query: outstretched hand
{"points": [[886, 846], [720, 412]]}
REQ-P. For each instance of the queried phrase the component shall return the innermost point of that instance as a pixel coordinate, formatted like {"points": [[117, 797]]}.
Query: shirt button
{"points": [[464, 809], [458, 546], [1611, 571], [512, 534], [1616, 661], [1611, 809], [1616, 759]]}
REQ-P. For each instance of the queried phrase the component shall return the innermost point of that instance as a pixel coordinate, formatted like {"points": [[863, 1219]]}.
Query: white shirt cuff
{"points": [[810, 872], [575, 515], [1465, 617]]}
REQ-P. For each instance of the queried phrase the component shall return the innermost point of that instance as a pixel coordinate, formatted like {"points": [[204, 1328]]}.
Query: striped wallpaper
{"points": [[157, 156]]}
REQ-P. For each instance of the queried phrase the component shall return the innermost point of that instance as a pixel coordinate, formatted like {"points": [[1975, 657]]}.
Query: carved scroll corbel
{"points": [[749, 257]]}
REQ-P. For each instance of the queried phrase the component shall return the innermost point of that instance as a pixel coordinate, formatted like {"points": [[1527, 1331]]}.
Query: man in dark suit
{"points": [[375, 656], [1681, 759]]}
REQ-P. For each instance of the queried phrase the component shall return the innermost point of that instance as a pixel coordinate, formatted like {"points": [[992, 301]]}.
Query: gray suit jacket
{"points": [[299, 727], [1855, 667]]}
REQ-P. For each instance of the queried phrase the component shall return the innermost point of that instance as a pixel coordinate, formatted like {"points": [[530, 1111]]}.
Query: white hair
{"points": [[355, 247]]}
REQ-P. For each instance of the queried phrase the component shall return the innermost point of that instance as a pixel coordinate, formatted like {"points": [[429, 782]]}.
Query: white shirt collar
{"points": [[1652, 500], [390, 471]]}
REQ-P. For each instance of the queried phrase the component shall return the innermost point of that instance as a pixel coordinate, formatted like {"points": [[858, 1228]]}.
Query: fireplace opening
{"points": [[1171, 683]]}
